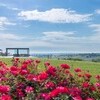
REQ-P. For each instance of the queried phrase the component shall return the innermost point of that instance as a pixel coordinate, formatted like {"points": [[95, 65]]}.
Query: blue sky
{"points": [[50, 25]]}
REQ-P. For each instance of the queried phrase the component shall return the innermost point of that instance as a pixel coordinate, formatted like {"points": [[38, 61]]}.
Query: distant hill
{"points": [[78, 56]]}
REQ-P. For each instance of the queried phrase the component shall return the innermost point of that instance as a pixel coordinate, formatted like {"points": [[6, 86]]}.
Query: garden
{"points": [[23, 80]]}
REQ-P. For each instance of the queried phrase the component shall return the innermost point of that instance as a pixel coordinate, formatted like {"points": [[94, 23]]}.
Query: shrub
{"points": [[23, 81]]}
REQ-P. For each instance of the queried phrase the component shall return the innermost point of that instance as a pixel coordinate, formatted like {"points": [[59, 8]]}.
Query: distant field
{"points": [[92, 67]]}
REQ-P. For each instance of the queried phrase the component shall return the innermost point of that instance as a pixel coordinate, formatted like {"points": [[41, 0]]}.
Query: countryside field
{"points": [[92, 67]]}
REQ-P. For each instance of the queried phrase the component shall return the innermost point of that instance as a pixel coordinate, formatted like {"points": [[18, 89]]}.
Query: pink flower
{"points": [[2, 71], [92, 88], [80, 75], [5, 97], [29, 89], [43, 76], [24, 66], [4, 89], [51, 70], [20, 85], [47, 64], [17, 59], [54, 93], [20, 93], [98, 77], [90, 99], [85, 84], [50, 85], [77, 70], [87, 75], [44, 96], [65, 66], [67, 71], [59, 90], [63, 83], [24, 72], [77, 98], [37, 61], [63, 89], [14, 70], [75, 91], [26, 62], [30, 77], [97, 85]]}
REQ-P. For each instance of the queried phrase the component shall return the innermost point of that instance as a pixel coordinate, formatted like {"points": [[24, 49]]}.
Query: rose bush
{"points": [[23, 81]]}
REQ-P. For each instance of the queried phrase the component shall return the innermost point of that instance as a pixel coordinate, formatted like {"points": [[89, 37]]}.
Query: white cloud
{"points": [[55, 16], [96, 35], [54, 41], [96, 27], [97, 11], [63, 38], [70, 41], [16, 9], [58, 33], [4, 21], [9, 36], [50, 41], [54, 35], [9, 7], [3, 5]]}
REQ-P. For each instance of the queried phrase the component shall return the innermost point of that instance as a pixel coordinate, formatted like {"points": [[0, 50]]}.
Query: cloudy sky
{"points": [[50, 25]]}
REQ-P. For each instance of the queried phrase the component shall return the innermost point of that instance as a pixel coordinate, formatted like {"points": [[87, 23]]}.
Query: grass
{"points": [[92, 67]]}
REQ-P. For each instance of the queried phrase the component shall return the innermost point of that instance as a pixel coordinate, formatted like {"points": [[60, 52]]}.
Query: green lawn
{"points": [[92, 67]]}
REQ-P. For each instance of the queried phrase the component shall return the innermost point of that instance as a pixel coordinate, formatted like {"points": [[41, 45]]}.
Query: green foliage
{"points": [[96, 60], [75, 59]]}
